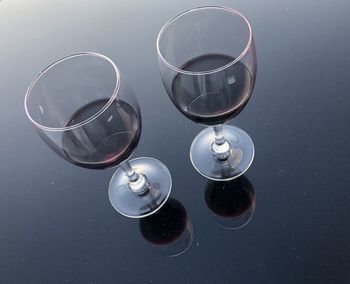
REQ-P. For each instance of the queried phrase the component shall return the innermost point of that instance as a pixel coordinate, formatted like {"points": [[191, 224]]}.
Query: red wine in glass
{"points": [[207, 61], [211, 99], [87, 113], [106, 142]]}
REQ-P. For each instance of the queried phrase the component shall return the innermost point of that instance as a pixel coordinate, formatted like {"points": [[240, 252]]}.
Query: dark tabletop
{"points": [[56, 221]]}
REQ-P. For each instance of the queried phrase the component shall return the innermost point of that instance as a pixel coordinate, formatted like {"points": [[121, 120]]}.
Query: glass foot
{"points": [[129, 203], [240, 159]]}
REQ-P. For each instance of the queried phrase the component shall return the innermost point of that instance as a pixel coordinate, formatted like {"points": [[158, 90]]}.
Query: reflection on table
{"points": [[169, 230], [231, 202]]}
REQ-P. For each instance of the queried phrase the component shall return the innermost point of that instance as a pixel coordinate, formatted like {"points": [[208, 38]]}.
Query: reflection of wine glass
{"points": [[169, 230], [231, 202], [87, 113], [208, 66]]}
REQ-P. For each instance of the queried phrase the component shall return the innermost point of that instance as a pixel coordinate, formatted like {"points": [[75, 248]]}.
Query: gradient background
{"points": [[56, 222]]}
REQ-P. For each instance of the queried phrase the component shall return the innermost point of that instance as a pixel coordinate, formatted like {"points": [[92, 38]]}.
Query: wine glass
{"points": [[208, 66], [87, 113], [231, 202]]}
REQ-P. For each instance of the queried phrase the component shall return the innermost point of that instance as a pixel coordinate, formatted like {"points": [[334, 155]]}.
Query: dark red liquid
{"points": [[212, 98], [166, 225], [107, 140]]}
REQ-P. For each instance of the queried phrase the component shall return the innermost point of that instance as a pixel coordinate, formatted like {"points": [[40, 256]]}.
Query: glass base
{"points": [[239, 161], [129, 203]]}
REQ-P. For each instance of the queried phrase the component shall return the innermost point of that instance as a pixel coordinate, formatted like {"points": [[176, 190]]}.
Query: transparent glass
{"points": [[232, 203], [87, 113], [207, 61]]}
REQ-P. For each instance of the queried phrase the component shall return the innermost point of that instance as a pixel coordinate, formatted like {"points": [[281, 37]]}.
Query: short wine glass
{"points": [[207, 61], [87, 113]]}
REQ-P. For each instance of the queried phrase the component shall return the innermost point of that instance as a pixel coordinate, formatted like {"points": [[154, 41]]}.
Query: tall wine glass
{"points": [[87, 113], [208, 65]]}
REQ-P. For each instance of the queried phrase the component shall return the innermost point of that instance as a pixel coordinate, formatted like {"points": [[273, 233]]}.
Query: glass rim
{"points": [[89, 119], [238, 58]]}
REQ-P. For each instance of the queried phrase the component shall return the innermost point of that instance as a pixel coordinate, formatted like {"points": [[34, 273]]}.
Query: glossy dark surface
{"points": [[57, 225]]}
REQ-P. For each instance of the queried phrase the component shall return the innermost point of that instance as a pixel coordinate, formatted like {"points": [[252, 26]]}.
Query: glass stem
{"points": [[221, 148], [129, 171], [219, 134], [138, 183]]}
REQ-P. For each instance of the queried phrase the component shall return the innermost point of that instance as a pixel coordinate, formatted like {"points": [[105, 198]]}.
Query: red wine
{"points": [[107, 140], [212, 98]]}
